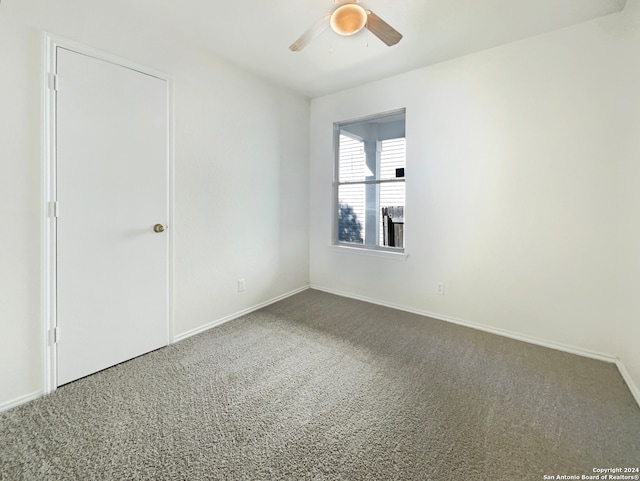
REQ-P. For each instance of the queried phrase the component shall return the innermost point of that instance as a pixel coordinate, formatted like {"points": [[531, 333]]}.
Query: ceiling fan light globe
{"points": [[348, 19]]}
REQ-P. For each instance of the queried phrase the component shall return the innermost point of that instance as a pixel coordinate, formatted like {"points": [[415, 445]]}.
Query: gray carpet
{"points": [[318, 387]]}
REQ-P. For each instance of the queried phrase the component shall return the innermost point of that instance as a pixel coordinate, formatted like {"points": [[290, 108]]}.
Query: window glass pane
{"points": [[392, 158], [392, 203], [352, 158], [351, 213], [370, 174]]}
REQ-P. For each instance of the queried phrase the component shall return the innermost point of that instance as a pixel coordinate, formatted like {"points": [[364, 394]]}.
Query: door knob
{"points": [[158, 228]]}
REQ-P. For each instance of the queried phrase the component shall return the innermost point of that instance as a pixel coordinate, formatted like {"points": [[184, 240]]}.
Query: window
{"points": [[370, 182]]}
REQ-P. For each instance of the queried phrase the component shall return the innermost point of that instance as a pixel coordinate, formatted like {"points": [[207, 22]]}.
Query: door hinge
{"points": [[55, 335], [54, 209], [53, 82]]}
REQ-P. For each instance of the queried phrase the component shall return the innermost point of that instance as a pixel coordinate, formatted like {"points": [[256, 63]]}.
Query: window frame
{"points": [[365, 249]]}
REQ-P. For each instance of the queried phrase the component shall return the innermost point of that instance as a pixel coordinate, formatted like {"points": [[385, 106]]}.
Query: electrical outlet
{"points": [[439, 288], [242, 285]]}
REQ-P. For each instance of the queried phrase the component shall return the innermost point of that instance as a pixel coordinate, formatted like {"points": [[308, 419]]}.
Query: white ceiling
{"points": [[255, 34]]}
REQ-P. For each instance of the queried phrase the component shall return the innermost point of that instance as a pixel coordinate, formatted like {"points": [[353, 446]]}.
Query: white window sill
{"points": [[398, 256]]}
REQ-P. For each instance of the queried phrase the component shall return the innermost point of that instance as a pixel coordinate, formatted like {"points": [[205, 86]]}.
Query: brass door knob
{"points": [[158, 228]]}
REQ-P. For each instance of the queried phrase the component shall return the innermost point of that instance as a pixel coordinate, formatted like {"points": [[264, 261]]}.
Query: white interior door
{"points": [[112, 188]]}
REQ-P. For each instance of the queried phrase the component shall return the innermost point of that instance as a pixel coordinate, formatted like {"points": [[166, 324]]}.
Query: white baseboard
{"points": [[5, 406], [635, 392], [235, 315], [474, 325], [500, 332], [35, 395]]}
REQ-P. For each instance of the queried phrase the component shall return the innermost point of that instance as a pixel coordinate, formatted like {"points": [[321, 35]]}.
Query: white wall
{"points": [[241, 156], [629, 104], [514, 158]]}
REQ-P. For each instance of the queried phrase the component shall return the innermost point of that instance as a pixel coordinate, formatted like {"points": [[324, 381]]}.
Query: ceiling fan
{"points": [[349, 18]]}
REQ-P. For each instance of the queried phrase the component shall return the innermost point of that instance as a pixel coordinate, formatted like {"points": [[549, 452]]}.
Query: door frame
{"points": [[49, 194]]}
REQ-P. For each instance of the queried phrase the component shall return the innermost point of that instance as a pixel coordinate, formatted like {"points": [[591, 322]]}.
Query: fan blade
{"points": [[315, 30], [382, 29]]}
